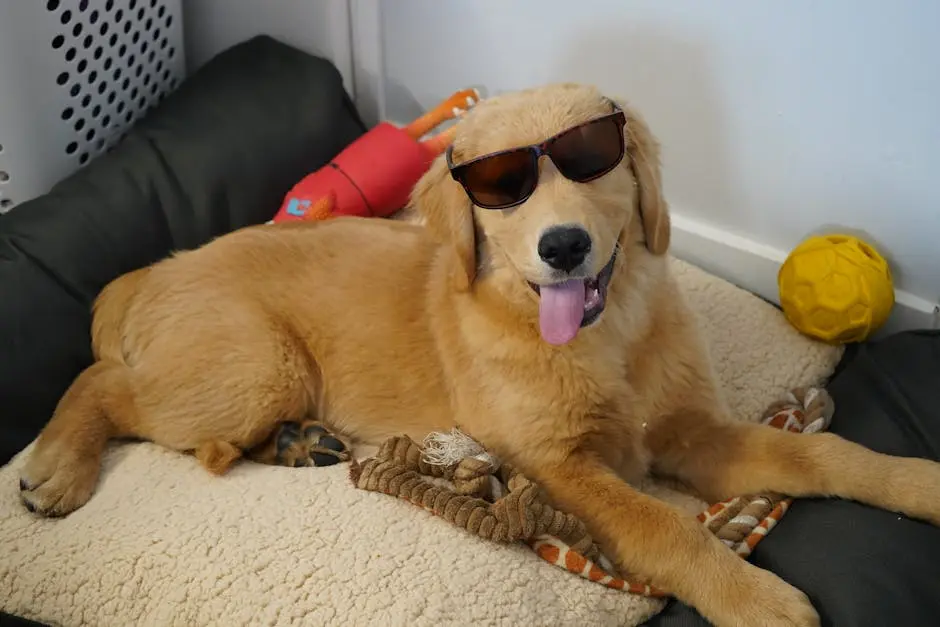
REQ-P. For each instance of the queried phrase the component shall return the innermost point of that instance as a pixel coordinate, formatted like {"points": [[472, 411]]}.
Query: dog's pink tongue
{"points": [[561, 309]]}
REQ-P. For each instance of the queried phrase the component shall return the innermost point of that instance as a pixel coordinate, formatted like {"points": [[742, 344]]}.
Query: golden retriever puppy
{"points": [[534, 309]]}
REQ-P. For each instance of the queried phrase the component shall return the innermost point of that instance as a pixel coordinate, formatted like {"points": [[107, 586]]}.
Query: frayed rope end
{"points": [[448, 449]]}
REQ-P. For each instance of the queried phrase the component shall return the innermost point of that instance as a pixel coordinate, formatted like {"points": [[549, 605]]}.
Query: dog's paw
{"points": [[784, 605], [762, 598], [308, 443], [914, 491], [57, 480]]}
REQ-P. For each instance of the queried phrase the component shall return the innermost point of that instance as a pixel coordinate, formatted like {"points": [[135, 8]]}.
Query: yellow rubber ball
{"points": [[836, 288]]}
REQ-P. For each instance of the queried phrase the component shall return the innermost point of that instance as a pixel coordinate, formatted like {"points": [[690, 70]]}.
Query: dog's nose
{"points": [[564, 247]]}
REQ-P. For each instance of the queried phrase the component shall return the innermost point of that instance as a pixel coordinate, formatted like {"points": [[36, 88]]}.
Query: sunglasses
{"points": [[582, 153]]}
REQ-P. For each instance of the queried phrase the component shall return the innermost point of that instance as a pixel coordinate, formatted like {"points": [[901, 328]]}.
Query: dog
{"points": [[533, 308]]}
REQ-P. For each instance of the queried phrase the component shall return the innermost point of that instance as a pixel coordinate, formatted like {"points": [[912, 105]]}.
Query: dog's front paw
{"points": [[761, 598], [57, 478], [308, 443], [914, 490]]}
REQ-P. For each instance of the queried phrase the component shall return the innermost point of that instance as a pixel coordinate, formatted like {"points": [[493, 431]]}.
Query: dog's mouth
{"points": [[567, 307]]}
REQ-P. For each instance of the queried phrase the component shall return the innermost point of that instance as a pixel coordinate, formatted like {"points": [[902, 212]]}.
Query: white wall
{"points": [[320, 27], [778, 119]]}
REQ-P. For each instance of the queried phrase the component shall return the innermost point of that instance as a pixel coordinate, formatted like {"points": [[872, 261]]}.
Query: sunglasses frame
{"points": [[537, 151]]}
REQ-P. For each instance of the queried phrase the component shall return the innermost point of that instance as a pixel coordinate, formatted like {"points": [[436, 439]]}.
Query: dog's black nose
{"points": [[564, 247]]}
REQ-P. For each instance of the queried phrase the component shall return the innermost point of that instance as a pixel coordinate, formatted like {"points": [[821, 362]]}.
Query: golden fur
{"points": [[379, 327]]}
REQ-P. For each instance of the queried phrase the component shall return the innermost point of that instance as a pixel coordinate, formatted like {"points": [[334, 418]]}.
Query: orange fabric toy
{"points": [[374, 175]]}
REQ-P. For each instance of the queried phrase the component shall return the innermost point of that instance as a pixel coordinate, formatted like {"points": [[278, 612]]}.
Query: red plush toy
{"points": [[375, 174]]}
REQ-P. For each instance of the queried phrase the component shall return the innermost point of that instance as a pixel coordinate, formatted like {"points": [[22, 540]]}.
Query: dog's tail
{"points": [[109, 313]]}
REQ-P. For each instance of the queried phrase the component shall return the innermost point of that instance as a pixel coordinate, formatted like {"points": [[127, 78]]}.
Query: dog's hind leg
{"points": [[62, 470], [218, 402]]}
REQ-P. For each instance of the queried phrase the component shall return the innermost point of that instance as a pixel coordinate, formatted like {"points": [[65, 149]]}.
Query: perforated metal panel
{"points": [[74, 76]]}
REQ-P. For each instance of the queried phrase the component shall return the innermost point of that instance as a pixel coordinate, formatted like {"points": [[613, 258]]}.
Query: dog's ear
{"points": [[643, 152], [448, 213]]}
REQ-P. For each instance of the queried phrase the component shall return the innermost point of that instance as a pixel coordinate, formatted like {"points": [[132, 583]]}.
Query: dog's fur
{"points": [[378, 327]]}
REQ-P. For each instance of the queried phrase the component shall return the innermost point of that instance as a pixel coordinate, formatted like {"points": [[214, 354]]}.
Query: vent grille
{"points": [[116, 66], [75, 76], [5, 203]]}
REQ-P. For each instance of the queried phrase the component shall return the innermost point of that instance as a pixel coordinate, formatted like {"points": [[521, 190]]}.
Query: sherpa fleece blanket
{"points": [[164, 543]]}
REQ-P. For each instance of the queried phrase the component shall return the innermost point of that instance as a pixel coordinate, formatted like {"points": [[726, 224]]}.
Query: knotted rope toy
{"points": [[455, 478]]}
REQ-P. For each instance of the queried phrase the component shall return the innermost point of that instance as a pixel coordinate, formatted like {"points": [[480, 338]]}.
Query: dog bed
{"points": [[164, 543], [161, 543]]}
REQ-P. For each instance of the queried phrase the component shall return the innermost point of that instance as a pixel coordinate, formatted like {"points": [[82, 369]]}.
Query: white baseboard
{"points": [[754, 266]]}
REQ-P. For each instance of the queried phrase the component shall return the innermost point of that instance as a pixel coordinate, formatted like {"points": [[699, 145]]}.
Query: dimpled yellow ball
{"points": [[836, 288]]}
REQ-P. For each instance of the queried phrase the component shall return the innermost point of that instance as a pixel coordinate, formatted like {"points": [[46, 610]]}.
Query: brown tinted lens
{"points": [[589, 150], [502, 179]]}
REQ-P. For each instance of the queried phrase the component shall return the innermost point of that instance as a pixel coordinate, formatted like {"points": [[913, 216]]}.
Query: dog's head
{"points": [[557, 242]]}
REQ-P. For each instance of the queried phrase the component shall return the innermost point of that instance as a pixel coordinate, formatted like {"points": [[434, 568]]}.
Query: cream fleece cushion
{"points": [[164, 543]]}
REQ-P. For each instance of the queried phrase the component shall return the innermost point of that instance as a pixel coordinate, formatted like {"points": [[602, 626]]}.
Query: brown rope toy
{"points": [[454, 478]]}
